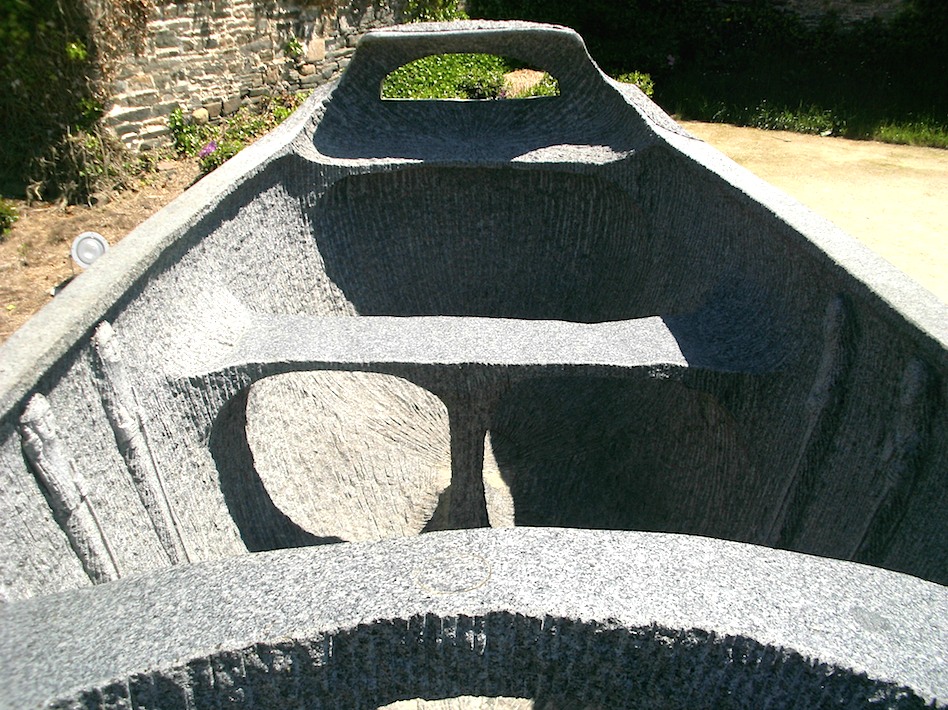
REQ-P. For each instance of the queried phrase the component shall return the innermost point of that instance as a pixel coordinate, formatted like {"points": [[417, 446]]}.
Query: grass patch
{"points": [[922, 133], [476, 77]]}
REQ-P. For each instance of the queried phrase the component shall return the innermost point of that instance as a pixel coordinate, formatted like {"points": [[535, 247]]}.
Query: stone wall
{"points": [[220, 55]]}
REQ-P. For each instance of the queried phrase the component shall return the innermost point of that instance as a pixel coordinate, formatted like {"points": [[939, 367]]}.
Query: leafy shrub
{"points": [[434, 10], [188, 137], [756, 63], [448, 76], [8, 215], [80, 164], [640, 79], [54, 69], [215, 154]]}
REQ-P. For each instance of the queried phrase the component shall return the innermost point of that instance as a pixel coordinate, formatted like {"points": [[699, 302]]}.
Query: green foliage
{"points": [[293, 47], [640, 79], [54, 71], [434, 10], [76, 51], [282, 110], [8, 215], [214, 144], [215, 153], [804, 119], [448, 76], [188, 137], [89, 111], [79, 164], [925, 132], [46, 70]]}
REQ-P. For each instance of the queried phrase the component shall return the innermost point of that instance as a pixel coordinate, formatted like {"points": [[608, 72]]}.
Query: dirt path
{"points": [[892, 198]]}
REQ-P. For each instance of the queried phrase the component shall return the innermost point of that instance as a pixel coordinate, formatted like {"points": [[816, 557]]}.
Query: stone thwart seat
{"points": [[396, 317], [470, 363]]}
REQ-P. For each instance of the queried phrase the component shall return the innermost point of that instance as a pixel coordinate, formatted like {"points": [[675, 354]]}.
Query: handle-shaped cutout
{"points": [[589, 113], [557, 51]]}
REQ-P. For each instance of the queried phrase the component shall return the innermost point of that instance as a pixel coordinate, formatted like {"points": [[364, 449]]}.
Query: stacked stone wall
{"points": [[220, 55]]}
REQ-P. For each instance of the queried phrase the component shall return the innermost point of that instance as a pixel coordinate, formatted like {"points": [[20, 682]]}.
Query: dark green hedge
{"points": [[729, 57], [47, 72]]}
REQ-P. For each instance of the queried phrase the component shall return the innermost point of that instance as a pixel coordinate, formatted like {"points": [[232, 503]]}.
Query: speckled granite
{"points": [[396, 317], [570, 618]]}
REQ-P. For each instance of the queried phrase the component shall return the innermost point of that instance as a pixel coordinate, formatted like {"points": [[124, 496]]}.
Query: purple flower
{"points": [[208, 149]]}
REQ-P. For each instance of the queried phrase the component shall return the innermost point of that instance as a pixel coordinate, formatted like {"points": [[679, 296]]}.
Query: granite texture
{"points": [[557, 312], [568, 618]]}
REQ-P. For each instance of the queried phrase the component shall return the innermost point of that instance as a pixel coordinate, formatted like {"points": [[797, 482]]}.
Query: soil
{"points": [[35, 257], [893, 198], [890, 197]]}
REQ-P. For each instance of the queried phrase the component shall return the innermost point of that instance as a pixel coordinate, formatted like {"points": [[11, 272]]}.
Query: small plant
{"points": [[547, 86], [640, 79], [76, 51], [188, 137], [215, 154], [213, 145], [293, 48], [8, 215]]}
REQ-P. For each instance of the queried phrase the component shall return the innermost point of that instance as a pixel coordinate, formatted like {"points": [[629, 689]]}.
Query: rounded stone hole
{"points": [[358, 456]]}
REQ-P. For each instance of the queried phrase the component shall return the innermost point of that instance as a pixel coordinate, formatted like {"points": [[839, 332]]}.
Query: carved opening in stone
{"points": [[350, 455], [491, 661], [623, 453], [467, 77]]}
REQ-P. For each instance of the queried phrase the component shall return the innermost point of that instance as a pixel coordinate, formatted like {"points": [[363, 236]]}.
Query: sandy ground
{"points": [[892, 198], [34, 255]]}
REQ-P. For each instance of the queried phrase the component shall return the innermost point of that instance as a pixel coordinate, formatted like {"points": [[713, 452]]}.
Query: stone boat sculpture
{"points": [[659, 379]]}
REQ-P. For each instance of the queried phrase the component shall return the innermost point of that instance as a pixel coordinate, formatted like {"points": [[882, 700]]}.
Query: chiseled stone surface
{"points": [[569, 618], [551, 313]]}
